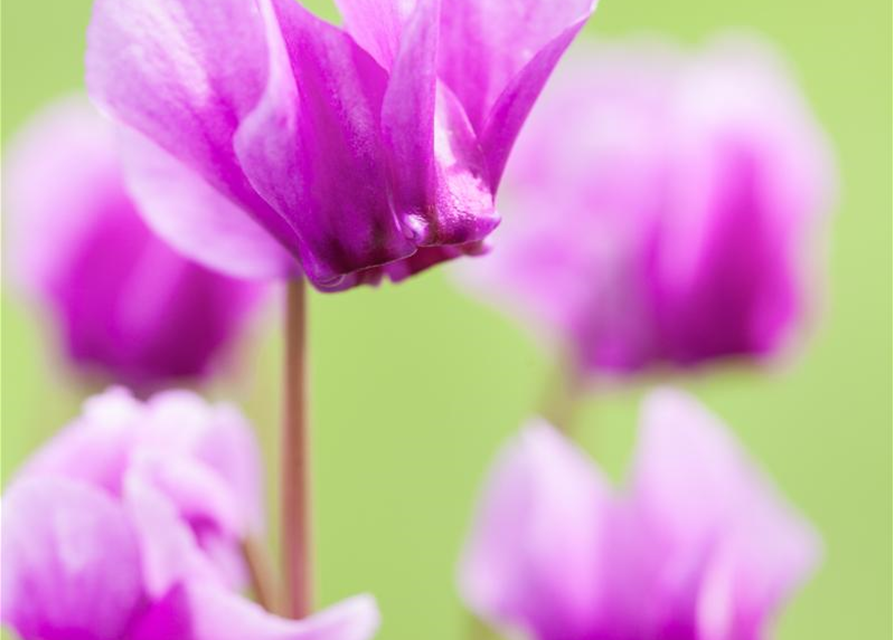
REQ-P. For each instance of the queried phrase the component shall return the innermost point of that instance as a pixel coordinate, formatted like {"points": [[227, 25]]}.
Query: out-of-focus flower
{"points": [[127, 525], [265, 141], [202, 459], [662, 205], [700, 547], [126, 303]]}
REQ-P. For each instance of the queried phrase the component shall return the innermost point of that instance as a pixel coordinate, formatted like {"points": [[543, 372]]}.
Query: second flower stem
{"points": [[563, 396], [261, 577], [297, 539]]}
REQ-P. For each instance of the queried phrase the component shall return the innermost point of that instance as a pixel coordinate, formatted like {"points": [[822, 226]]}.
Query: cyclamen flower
{"points": [[265, 141], [668, 219], [127, 526], [125, 303], [699, 546]]}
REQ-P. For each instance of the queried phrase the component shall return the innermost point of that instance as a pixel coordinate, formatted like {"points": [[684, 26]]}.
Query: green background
{"points": [[415, 386]]}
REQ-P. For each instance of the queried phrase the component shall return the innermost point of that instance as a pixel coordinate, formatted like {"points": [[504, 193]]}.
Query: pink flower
{"points": [[128, 525], [265, 141], [699, 546], [124, 303], [667, 219]]}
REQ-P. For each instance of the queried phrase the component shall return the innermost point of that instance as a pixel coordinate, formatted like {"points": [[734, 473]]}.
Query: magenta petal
{"points": [[70, 562], [184, 74], [689, 474], [407, 116], [313, 149], [105, 434], [181, 73], [349, 159], [683, 197], [170, 553], [465, 190], [202, 612], [191, 215], [751, 176], [485, 45], [534, 558], [377, 25], [218, 440], [202, 457], [69, 144], [706, 506], [124, 303], [442, 190], [508, 114], [201, 497], [753, 574]]}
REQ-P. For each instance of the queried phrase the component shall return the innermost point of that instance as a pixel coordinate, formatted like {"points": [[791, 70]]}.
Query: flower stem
{"points": [[563, 395], [260, 574], [296, 482]]}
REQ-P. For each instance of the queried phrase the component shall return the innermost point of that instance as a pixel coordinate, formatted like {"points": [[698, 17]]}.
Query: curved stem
{"points": [[296, 540], [259, 573]]}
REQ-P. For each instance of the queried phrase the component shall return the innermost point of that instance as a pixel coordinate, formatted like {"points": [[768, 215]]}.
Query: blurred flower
{"points": [[264, 141], [126, 527], [126, 303], [203, 461], [667, 219], [700, 547]]}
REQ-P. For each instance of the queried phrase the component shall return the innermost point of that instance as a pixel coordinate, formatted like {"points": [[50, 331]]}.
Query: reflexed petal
{"points": [[735, 547], [690, 476], [681, 197], [508, 114], [201, 497], [535, 555], [496, 53], [217, 437], [751, 176], [181, 73], [407, 116], [124, 303], [754, 573], [183, 208], [313, 149], [465, 191], [70, 562], [377, 25], [170, 551], [202, 612], [105, 434], [578, 275], [204, 457], [184, 75], [66, 143], [441, 188]]}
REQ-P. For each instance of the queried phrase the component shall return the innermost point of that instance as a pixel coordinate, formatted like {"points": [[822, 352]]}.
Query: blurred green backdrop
{"points": [[415, 386]]}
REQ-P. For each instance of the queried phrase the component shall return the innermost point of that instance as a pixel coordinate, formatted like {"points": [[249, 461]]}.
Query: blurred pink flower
{"points": [[265, 141], [125, 303], [699, 547], [666, 220], [127, 526], [203, 460]]}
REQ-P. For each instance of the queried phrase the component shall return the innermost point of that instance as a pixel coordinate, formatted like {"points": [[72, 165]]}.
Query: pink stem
{"points": [[259, 572], [296, 482]]}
